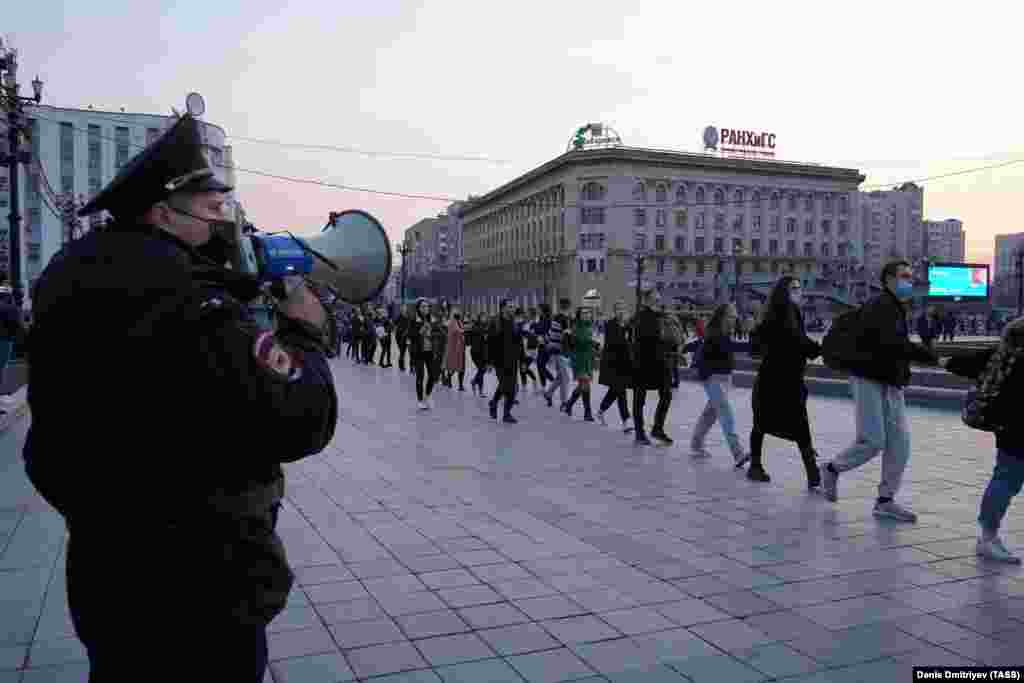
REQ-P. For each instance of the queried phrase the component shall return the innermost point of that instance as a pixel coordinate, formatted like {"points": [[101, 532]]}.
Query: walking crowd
{"points": [[558, 352]]}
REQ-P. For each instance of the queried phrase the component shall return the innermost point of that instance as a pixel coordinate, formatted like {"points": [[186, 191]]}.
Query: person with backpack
{"points": [[715, 363], [779, 399], [873, 345], [1000, 375], [650, 368], [616, 367]]}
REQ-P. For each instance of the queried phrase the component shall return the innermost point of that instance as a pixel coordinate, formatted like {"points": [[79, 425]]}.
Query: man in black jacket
{"points": [[402, 335], [504, 349], [877, 386], [650, 369], [181, 418]]}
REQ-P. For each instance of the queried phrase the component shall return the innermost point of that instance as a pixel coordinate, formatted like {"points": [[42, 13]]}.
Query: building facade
{"points": [[892, 225], [1004, 268], [696, 222], [434, 256], [75, 153], [946, 240]]}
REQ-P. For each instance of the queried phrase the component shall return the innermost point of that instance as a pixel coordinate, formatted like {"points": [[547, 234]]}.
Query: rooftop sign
{"points": [[735, 142]]}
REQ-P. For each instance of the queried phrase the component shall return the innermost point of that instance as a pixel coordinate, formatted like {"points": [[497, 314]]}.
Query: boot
{"points": [[567, 406], [810, 457], [756, 473], [587, 415], [641, 439], [493, 405]]}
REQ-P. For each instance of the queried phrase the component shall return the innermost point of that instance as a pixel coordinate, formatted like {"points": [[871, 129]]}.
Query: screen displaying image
{"points": [[958, 281]]}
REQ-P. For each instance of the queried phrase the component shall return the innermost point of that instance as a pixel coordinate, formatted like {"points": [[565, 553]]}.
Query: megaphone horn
{"points": [[353, 256]]}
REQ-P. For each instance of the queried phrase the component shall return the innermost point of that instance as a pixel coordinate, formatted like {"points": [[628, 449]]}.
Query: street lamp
{"points": [[16, 128], [403, 249], [639, 259]]}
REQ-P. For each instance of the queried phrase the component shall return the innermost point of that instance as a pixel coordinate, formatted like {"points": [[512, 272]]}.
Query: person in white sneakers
{"points": [[1008, 475], [877, 378], [616, 371]]}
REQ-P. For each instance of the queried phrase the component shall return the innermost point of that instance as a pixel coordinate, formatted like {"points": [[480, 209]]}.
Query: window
{"points": [[152, 134], [774, 225], [592, 216], [593, 191], [737, 197], [826, 227], [661, 193], [737, 224], [755, 247], [659, 243], [790, 226], [700, 195], [700, 266], [791, 202], [808, 248], [841, 249], [582, 265], [719, 197], [681, 219], [698, 245], [844, 204], [639, 217], [591, 265], [640, 242], [755, 223], [122, 146], [828, 203], [33, 250], [67, 142], [825, 249], [660, 218], [844, 226], [755, 198], [719, 221], [681, 194], [773, 247], [680, 267], [809, 226], [719, 245], [737, 245], [699, 225], [600, 265], [592, 240], [660, 265], [809, 202], [775, 200], [640, 192], [791, 247], [680, 244]]}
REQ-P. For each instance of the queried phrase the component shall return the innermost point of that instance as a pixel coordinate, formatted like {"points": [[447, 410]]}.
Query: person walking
{"points": [[1005, 364], [877, 384], [715, 367], [928, 328], [439, 341], [385, 326], [779, 399], [540, 330], [402, 335], [529, 350], [504, 348], [556, 330], [476, 338], [455, 354], [582, 358], [650, 368], [12, 329], [421, 353], [616, 369]]}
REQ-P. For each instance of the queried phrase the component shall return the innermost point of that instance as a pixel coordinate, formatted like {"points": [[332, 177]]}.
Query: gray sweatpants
{"points": [[881, 429]]}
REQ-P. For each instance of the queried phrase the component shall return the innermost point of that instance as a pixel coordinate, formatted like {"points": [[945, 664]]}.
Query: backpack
{"points": [[980, 409], [671, 335], [839, 347]]}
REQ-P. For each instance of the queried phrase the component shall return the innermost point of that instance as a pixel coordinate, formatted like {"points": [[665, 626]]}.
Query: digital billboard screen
{"points": [[958, 281]]}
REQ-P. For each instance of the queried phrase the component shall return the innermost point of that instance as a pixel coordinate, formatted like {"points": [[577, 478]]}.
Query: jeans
{"points": [[426, 369], [881, 429], [718, 408], [561, 380], [1007, 479], [542, 366]]}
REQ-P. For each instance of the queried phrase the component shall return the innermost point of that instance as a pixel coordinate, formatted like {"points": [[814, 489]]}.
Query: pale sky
{"points": [[900, 90]]}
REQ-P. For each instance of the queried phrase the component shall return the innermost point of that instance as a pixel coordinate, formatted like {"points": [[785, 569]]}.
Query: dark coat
{"points": [[650, 369], [616, 364], [152, 340], [779, 399], [504, 345], [1010, 439], [885, 334]]}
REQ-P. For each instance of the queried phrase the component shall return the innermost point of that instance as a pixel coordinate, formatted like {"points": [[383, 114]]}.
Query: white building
{"points": [[76, 152], [435, 255], [946, 240], [891, 224]]}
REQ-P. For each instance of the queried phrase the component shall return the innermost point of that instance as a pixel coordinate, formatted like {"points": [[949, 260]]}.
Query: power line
{"points": [[444, 198]]}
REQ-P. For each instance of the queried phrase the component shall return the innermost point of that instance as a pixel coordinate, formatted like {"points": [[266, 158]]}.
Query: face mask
{"points": [[904, 288]]}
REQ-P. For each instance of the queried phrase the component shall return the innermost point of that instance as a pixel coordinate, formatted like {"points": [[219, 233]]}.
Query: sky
{"points": [[901, 91]]}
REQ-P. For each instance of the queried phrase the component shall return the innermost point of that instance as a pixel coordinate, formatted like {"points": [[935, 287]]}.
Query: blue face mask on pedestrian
{"points": [[904, 288]]}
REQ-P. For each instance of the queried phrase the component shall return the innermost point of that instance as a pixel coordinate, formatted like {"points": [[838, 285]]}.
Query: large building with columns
{"points": [[581, 220]]}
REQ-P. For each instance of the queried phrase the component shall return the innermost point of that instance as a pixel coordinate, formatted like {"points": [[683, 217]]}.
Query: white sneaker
{"points": [[698, 451], [430, 403], [741, 459], [422, 405], [995, 550], [893, 510], [627, 427]]}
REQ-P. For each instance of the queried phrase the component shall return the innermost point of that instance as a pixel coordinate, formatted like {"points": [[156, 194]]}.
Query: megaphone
{"points": [[351, 256]]}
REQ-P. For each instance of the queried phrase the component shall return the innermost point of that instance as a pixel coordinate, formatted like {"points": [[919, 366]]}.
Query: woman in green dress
{"points": [[581, 355]]}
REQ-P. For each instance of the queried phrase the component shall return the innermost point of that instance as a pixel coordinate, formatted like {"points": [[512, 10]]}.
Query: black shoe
{"points": [[642, 440], [588, 418], [757, 473], [548, 399], [515, 401], [566, 409], [660, 435], [462, 388], [494, 410], [508, 419]]}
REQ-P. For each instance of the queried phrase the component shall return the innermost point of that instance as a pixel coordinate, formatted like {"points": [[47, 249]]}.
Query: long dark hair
{"points": [[714, 326], [781, 310]]}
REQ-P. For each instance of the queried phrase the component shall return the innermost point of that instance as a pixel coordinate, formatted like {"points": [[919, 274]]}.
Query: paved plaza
{"points": [[444, 546]]}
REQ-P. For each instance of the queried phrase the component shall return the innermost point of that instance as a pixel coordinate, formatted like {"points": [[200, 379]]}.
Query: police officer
{"points": [[161, 414]]}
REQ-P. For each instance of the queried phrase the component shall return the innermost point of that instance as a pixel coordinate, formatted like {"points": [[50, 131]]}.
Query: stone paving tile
{"points": [[638, 620], [453, 649], [716, 668], [428, 624], [692, 611], [549, 607], [776, 660], [490, 616], [330, 668], [496, 573], [363, 633], [518, 639], [353, 610], [519, 589], [52, 652], [401, 604], [552, 666], [732, 635], [489, 670], [13, 657], [468, 596], [389, 585], [742, 603], [310, 641], [294, 618], [310, 576], [73, 672], [377, 660], [338, 591], [583, 629], [452, 578]]}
